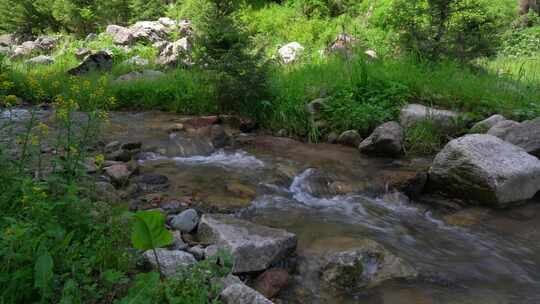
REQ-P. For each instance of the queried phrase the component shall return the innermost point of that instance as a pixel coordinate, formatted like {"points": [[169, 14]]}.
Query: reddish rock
{"points": [[271, 282], [203, 121], [411, 183]]}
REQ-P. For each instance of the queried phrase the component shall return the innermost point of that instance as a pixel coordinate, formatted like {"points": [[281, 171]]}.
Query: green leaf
{"points": [[43, 272], [145, 290], [149, 231]]}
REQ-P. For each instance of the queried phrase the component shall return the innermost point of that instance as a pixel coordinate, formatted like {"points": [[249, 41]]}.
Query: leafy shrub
{"points": [[460, 29], [327, 8], [521, 42]]}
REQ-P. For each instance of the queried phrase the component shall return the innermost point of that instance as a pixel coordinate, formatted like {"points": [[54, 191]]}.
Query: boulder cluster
{"points": [[495, 164]]}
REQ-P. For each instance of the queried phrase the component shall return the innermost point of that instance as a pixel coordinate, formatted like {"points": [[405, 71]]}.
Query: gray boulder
{"points": [[525, 135], [239, 293], [172, 53], [24, 50], [349, 138], [386, 140], [170, 260], [414, 114], [46, 43], [149, 31], [502, 128], [186, 221], [253, 247], [42, 59], [290, 52], [81, 53], [121, 35], [118, 173], [485, 169], [144, 75], [483, 126], [100, 61], [365, 266], [7, 40]]}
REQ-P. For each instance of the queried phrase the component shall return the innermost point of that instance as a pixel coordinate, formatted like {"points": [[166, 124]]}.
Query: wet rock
{"points": [[366, 266], [119, 174], [502, 128], [485, 169], [467, 217], [132, 145], [254, 247], [174, 206], [42, 59], [144, 75], [120, 155], [154, 179], [386, 140], [82, 53], [178, 242], [112, 146], [332, 138], [414, 114], [172, 54], [218, 136], [242, 294], [412, 183], [525, 135], [241, 190], [137, 60], [100, 61], [486, 124], [202, 121], [349, 138], [271, 282], [170, 260], [174, 128], [290, 52]]}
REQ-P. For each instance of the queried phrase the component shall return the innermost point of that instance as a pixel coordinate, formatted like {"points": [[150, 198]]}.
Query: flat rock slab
{"points": [[485, 169], [253, 247]]}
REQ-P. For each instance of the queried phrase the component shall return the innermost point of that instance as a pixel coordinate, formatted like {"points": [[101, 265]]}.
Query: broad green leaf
{"points": [[145, 290], [149, 231], [43, 272]]}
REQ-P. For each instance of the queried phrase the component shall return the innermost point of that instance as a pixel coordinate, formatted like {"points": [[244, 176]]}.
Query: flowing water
{"points": [[332, 197]]}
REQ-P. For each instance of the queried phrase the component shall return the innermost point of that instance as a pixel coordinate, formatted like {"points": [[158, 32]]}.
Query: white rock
{"points": [[290, 52]]}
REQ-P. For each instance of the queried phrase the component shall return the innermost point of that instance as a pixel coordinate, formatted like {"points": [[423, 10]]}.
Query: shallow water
{"points": [[331, 197], [495, 260]]}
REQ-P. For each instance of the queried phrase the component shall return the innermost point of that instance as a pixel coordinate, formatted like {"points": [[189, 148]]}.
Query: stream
{"points": [[332, 197]]}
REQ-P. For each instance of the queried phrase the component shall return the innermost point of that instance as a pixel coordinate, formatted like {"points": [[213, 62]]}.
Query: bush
{"points": [[521, 42], [460, 29]]}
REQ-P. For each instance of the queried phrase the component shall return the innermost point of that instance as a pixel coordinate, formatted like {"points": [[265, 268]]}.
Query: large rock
{"points": [[23, 50], [46, 43], [414, 114], [100, 61], [239, 293], [172, 53], [144, 75], [365, 266], [502, 128], [254, 247], [272, 281], [525, 135], [485, 169], [483, 126], [290, 52], [169, 260], [149, 31], [386, 140], [186, 221], [42, 59], [119, 173], [7, 40], [349, 138], [121, 35]]}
